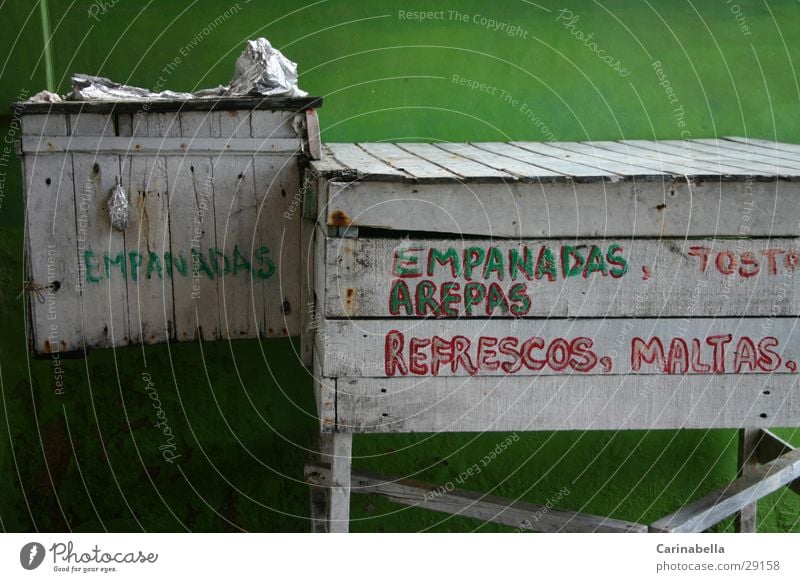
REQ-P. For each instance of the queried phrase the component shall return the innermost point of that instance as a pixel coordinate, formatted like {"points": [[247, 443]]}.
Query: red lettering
{"points": [[749, 260], [718, 342], [416, 358], [487, 353], [726, 262], [651, 352], [772, 263], [701, 252], [393, 354]]}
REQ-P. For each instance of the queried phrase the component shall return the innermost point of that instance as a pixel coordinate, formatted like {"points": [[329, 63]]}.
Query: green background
{"points": [[88, 460]]}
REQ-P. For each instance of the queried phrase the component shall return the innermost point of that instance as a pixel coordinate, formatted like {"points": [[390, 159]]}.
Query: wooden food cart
{"points": [[554, 286]]}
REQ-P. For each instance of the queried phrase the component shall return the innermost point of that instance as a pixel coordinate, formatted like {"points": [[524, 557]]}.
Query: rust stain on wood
{"points": [[339, 218]]}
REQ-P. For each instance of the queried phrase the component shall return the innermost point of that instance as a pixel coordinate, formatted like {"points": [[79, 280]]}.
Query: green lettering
{"points": [[567, 267], [619, 262], [154, 264], [213, 255], [199, 264], [496, 298], [519, 295], [473, 256], [425, 300], [449, 256], [400, 297], [473, 295], [405, 265], [119, 261], [240, 263], [180, 265], [494, 263], [595, 262], [546, 264], [87, 260], [262, 256], [523, 264], [136, 261]]}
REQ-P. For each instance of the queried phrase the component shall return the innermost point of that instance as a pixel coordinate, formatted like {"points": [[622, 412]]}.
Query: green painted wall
{"points": [[242, 413]]}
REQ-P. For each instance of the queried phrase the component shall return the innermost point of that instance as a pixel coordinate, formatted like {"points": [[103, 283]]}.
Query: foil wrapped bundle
{"points": [[261, 70], [118, 207]]}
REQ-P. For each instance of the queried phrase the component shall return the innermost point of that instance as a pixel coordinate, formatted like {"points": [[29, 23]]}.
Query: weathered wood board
{"points": [[385, 277], [212, 237], [527, 286], [587, 346]]}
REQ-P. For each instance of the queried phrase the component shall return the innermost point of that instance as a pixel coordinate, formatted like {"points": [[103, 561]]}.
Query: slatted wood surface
{"points": [[213, 238], [562, 285], [643, 160]]}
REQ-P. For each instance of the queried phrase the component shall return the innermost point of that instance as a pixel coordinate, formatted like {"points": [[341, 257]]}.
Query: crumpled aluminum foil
{"points": [[45, 97], [261, 70], [90, 88], [118, 207]]}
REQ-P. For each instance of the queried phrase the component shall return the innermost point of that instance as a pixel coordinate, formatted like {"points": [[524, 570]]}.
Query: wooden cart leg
{"points": [[748, 462], [336, 450]]}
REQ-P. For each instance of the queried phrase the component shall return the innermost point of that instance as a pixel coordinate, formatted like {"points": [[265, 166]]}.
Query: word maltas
{"points": [[216, 263]]}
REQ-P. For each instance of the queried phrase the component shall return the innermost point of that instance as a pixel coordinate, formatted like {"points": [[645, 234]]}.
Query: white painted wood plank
{"points": [[312, 134], [747, 464], [44, 124], [665, 161], [713, 508], [52, 261], [95, 124], [150, 300], [743, 168], [338, 452], [552, 403], [327, 165], [414, 165], [192, 247], [101, 253], [161, 146], [743, 152], [276, 259], [229, 124], [364, 164], [788, 149], [272, 124], [647, 209], [236, 216], [464, 168], [409, 347], [608, 165], [647, 278], [514, 513], [566, 167], [505, 164]]}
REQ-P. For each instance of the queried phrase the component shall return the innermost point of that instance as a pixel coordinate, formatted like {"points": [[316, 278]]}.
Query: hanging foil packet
{"points": [[118, 207]]}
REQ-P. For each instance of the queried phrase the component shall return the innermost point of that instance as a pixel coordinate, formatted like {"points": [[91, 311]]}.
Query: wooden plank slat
{"points": [[363, 163], [738, 166], [651, 278], [729, 149], [575, 402], [94, 124], [241, 302], [569, 168], [713, 508], [52, 258], [677, 165], [192, 234], [782, 147], [770, 447], [413, 165], [275, 254], [591, 159], [505, 164], [464, 168], [513, 513], [466, 347], [160, 146], [328, 165], [646, 209], [103, 289], [747, 463], [150, 299]]}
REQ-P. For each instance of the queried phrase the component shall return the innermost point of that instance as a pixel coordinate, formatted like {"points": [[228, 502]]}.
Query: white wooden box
{"points": [[560, 286], [213, 239]]}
